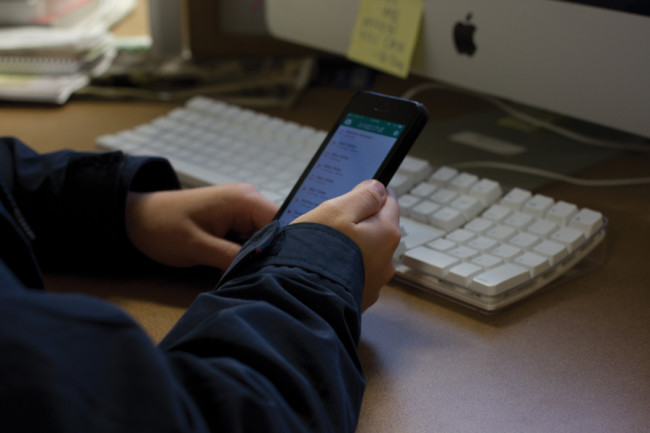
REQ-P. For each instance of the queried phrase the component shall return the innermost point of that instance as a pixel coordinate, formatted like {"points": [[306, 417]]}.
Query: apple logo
{"points": [[464, 36]]}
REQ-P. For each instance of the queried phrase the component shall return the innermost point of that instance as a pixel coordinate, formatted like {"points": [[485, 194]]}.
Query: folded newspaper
{"points": [[268, 81]]}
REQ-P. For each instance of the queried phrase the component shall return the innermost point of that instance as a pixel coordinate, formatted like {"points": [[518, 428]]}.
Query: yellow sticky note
{"points": [[385, 34]]}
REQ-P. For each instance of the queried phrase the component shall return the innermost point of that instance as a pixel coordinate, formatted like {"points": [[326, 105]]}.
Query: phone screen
{"points": [[354, 153]]}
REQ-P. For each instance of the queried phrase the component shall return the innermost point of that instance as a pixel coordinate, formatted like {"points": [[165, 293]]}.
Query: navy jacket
{"points": [[272, 349]]}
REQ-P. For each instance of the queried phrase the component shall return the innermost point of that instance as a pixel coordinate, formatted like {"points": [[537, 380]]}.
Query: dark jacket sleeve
{"points": [[272, 349], [74, 202]]}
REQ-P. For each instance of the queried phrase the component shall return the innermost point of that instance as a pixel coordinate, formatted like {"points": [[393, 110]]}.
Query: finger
{"points": [[365, 200], [390, 209], [264, 212], [253, 209], [214, 251]]}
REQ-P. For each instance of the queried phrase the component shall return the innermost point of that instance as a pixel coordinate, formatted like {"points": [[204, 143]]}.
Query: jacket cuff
{"points": [[94, 201], [310, 246]]}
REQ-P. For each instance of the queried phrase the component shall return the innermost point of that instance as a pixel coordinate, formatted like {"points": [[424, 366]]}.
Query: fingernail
{"points": [[378, 186]]}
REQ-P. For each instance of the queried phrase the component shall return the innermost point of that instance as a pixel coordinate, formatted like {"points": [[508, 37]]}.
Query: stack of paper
{"points": [[44, 12], [48, 63]]}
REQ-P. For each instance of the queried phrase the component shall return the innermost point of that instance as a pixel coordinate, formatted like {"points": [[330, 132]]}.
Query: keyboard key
{"points": [[487, 261], [463, 182], [496, 213], [423, 211], [443, 175], [515, 198], [519, 220], [406, 202], [499, 279], [538, 205], [400, 184], [535, 263], [462, 252], [542, 228], [463, 273], [482, 243], [486, 190], [506, 252], [146, 131], [524, 240], [561, 212], [570, 237], [448, 218], [444, 196], [469, 206], [478, 225], [441, 244], [460, 236], [587, 221], [553, 251], [500, 232], [429, 261], [415, 168], [423, 189], [415, 234]]}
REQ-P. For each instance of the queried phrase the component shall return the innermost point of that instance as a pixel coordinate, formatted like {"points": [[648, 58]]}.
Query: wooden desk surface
{"points": [[573, 359]]}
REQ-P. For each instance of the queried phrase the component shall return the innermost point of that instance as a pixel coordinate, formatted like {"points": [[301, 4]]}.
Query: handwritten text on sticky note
{"points": [[385, 34]]}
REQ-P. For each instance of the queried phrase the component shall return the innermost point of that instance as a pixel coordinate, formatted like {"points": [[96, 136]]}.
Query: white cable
{"points": [[534, 120], [552, 175]]}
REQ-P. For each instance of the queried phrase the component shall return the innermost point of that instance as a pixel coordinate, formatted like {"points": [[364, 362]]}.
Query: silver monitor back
{"points": [[585, 62]]}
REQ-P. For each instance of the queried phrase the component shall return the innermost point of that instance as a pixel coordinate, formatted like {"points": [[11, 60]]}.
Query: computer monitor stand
{"points": [[492, 135]]}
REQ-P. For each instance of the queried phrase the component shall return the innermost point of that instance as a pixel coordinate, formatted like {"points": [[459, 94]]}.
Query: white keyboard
{"points": [[463, 237], [211, 143]]}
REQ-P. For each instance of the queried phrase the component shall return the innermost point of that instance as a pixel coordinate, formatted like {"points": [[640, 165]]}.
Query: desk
{"points": [[573, 359]]}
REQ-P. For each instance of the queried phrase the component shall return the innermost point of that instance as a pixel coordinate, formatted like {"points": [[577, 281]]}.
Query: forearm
{"points": [[278, 338]]}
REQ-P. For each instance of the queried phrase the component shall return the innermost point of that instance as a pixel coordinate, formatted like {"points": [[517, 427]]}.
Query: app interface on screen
{"points": [[353, 155]]}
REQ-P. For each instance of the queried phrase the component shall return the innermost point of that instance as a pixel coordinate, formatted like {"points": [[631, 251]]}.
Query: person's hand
{"points": [[199, 226], [369, 215]]}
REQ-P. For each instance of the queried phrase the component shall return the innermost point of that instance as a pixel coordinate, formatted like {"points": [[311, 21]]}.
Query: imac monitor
{"points": [[586, 59]]}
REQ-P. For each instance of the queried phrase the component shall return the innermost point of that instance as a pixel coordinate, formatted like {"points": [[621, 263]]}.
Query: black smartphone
{"points": [[369, 140]]}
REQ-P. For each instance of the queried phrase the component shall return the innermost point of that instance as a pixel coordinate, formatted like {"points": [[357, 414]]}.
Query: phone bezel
{"points": [[410, 113]]}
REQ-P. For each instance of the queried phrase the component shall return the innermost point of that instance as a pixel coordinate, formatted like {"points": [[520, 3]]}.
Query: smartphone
{"points": [[369, 140]]}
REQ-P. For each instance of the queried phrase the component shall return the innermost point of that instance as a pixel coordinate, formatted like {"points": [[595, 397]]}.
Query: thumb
{"points": [[365, 200]]}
